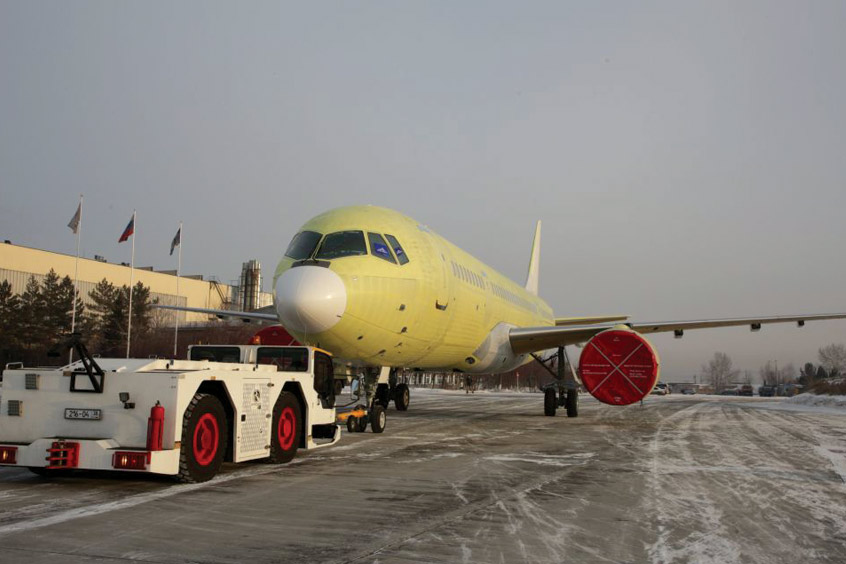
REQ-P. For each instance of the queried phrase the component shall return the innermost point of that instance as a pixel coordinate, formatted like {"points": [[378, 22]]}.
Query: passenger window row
{"points": [[467, 275], [513, 298]]}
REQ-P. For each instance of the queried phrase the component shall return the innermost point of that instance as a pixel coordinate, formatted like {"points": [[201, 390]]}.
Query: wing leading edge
{"points": [[532, 339], [256, 315]]}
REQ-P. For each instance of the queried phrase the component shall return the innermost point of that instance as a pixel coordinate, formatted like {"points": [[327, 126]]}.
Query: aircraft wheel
{"points": [[549, 402], [402, 397], [572, 403], [378, 419], [286, 430], [204, 433]]}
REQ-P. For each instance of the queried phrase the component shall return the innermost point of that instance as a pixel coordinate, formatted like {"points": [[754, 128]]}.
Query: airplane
{"points": [[384, 292]]}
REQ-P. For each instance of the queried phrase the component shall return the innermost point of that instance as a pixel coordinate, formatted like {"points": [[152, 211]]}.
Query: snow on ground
{"points": [[819, 401]]}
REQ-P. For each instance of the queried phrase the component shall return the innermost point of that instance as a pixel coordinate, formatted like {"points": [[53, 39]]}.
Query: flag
{"points": [[177, 239], [74, 222], [130, 229]]}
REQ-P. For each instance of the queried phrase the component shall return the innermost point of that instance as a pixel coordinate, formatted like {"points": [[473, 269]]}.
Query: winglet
{"points": [[534, 263]]}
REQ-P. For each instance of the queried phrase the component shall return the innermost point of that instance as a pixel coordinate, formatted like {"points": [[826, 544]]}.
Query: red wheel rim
{"points": [[206, 439], [286, 429]]}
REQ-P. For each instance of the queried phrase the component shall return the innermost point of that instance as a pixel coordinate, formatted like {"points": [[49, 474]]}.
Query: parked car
{"points": [[729, 392], [766, 391], [689, 391], [661, 389], [746, 390]]}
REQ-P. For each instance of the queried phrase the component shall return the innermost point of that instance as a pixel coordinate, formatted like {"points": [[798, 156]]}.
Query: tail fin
{"points": [[534, 263]]}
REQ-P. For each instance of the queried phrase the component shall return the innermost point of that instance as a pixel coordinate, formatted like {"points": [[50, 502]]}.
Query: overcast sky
{"points": [[687, 160]]}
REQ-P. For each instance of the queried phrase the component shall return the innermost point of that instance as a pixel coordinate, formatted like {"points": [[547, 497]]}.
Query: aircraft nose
{"points": [[310, 299]]}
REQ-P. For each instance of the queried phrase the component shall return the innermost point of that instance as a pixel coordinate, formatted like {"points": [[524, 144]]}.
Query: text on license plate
{"points": [[88, 414]]}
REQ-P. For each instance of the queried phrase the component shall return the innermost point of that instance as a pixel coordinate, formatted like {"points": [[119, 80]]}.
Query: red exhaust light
{"points": [[130, 460], [8, 455]]}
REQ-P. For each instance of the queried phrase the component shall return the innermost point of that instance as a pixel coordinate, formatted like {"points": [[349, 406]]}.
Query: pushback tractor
{"points": [[177, 417]]}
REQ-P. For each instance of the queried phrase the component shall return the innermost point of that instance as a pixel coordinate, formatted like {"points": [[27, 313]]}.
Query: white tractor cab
{"points": [[177, 417]]}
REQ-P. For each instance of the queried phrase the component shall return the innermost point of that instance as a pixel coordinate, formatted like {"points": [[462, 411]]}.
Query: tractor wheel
{"points": [[286, 430], [204, 433]]}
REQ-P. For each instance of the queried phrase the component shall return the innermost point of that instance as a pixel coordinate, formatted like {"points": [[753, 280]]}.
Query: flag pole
{"points": [[76, 276], [131, 273], [178, 269]]}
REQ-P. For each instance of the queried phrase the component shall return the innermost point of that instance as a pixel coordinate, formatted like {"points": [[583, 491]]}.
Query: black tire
{"points": [[402, 397], [339, 387], [352, 426], [383, 395], [286, 430], [572, 403], [204, 436], [362, 424], [562, 400], [550, 402], [378, 419]]}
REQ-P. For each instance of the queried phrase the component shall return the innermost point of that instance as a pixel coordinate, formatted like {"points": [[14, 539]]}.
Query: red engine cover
{"points": [[273, 335], [619, 367]]}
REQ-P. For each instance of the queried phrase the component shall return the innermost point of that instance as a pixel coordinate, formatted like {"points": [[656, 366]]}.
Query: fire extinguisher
{"points": [[155, 427]]}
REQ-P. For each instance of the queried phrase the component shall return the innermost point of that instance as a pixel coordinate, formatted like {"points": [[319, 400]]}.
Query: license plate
{"points": [[86, 414]]}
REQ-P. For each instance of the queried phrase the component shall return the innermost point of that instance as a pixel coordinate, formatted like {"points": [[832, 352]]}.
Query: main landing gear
{"points": [[391, 390], [564, 392]]}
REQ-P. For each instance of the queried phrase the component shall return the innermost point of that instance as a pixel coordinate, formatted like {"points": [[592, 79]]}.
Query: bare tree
{"points": [[787, 374], [833, 359], [719, 372]]}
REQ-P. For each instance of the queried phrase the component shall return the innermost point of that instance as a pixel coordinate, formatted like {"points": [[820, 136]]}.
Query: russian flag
{"points": [[128, 232]]}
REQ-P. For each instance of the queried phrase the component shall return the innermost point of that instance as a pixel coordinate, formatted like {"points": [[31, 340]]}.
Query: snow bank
{"points": [[819, 401]]}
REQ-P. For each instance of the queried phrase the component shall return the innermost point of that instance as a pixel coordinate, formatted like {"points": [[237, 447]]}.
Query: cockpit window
{"points": [[378, 247], [342, 244], [302, 245], [401, 257]]}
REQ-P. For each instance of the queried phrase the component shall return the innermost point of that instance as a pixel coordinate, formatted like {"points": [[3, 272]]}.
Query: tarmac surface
{"points": [[478, 478]]}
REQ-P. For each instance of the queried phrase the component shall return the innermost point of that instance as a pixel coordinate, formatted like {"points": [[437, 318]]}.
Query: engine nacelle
{"points": [[619, 366]]}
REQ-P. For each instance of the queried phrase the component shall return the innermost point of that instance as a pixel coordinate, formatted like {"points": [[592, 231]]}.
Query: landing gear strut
{"points": [[564, 392], [375, 416]]}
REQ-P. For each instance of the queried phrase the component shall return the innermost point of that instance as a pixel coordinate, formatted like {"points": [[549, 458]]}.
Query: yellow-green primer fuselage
{"points": [[442, 310]]}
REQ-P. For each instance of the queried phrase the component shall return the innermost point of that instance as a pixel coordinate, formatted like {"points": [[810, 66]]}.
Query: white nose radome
{"points": [[310, 299]]}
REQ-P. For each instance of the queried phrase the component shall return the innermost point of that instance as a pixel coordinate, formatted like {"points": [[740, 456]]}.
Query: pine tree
{"points": [[32, 314], [104, 325], [9, 319]]}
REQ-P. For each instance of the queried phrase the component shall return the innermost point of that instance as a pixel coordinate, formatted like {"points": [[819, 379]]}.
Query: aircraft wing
{"points": [[561, 321], [532, 339], [261, 314]]}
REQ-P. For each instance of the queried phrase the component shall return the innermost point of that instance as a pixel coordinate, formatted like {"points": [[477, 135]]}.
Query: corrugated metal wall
{"points": [[19, 280]]}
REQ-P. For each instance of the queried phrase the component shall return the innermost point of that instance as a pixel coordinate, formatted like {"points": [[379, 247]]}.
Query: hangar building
{"points": [[18, 264]]}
